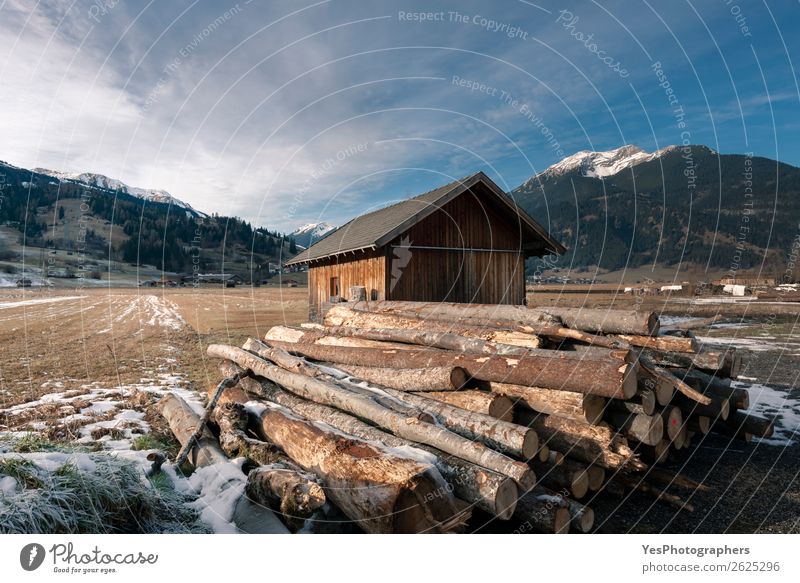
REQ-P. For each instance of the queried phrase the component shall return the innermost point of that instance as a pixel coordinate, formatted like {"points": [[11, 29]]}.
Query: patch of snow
{"points": [[769, 402], [600, 164], [20, 303], [219, 487]]}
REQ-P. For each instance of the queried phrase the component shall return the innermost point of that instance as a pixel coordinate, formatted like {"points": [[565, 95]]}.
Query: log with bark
{"points": [[543, 513], [491, 404], [713, 386], [342, 316], [569, 476], [206, 451], [183, 422], [662, 377], [606, 321], [382, 490], [647, 429], [502, 436], [740, 423], [661, 343], [581, 516], [490, 491], [654, 454], [278, 483], [556, 370], [597, 476], [360, 405], [441, 340], [698, 423], [717, 408], [411, 379], [581, 441], [723, 361], [673, 421], [587, 408]]}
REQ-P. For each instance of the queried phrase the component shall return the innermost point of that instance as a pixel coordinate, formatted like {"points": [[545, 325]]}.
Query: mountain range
{"points": [[687, 205], [310, 233], [101, 217], [112, 184]]}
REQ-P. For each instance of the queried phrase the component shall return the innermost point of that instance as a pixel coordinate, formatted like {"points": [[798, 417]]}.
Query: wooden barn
{"points": [[464, 242]]}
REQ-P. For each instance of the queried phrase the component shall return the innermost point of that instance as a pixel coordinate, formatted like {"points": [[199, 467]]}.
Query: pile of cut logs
{"points": [[412, 417]]}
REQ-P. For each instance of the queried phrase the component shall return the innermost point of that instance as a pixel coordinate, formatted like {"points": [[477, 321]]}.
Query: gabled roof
{"points": [[376, 229]]}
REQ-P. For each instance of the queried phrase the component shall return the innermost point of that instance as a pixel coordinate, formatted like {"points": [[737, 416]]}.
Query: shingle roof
{"points": [[377, 228]]}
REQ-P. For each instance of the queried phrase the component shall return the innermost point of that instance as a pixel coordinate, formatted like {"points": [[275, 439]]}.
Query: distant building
{"points": [[227, 279]]}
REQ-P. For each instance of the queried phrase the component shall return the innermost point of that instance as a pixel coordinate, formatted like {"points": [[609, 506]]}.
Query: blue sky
{"points": [[285, 113]]}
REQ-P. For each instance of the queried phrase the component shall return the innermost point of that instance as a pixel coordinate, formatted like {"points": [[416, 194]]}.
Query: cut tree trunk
{"points": [[597, 476], [699, 423], [601, 320], [490, 491], [569, 477], [581, 441], [501, 436], [341, 316], [654, 454], [183, 422], [587, 408], [717, 408], [581, 516], [647, 400], [367, 408], [294, 494], [662, 376], [740, 423], [608, 377], [661, 386], [491, 404], [647, 429], [724, 361], [382, 490], [278, 483], [661, 343], [430, 339], [411, 379], [673, 421], [543, 513]]}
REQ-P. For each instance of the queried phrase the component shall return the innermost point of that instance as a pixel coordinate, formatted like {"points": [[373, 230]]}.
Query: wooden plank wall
{"points": [[467, 277], [462, 275], [367, 269]]}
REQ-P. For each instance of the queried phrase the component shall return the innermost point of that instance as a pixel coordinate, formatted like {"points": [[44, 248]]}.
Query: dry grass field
{"points": [[77, 339]]}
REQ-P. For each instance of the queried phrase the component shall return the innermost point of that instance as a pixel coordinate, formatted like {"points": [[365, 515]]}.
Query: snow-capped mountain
{"points": [[309, 234], [106, 183], [601, 164]]}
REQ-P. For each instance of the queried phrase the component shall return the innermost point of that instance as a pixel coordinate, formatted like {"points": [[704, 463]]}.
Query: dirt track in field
{"points": [[70, 338]]}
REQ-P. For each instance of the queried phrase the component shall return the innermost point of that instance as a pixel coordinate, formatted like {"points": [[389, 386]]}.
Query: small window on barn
{"points": [[334, 286]]}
